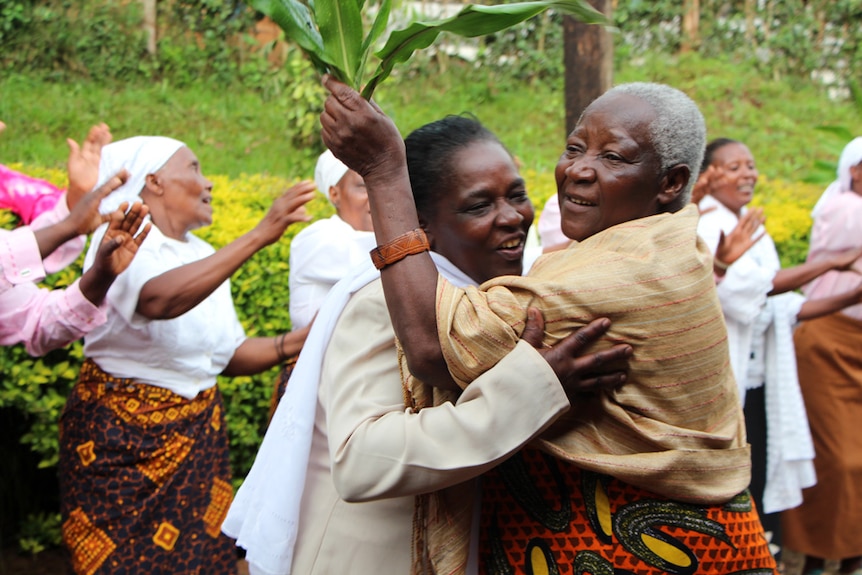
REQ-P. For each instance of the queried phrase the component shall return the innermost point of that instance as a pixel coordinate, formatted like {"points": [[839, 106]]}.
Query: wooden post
{"points": [[690, 25], [589, 62], [150, 25]]}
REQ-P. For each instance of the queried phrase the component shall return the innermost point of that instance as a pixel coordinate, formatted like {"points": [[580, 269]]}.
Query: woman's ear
{"points": [[334, 196], [153, 185], [672, 185]]}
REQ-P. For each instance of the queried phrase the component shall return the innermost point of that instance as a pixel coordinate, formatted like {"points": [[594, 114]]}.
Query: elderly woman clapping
{"points": [[144, 451]]}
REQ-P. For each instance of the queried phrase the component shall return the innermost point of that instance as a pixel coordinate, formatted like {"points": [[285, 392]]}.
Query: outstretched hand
{"points": [[578, 370], [116, 250], [85, 216], [287, 209], [732, 246], [122, 240], [83, 163], [352, 125]]}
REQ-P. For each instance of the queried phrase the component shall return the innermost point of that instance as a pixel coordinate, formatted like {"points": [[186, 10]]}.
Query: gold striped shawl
{"points": [[676, 427]]}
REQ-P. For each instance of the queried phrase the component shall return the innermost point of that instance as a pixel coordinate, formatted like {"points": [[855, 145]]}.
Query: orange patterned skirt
{"points": [[543, 515], [144, 479]]}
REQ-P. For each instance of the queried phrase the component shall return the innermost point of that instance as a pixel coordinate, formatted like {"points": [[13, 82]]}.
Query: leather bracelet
{"points": [[412, 242]]}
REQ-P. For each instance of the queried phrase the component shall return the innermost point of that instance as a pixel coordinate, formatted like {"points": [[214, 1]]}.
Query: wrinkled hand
{"points": [[120, 242], [85, 216], [285, 210], [351, 126], [732, 246], [83, 163], [577, 370], [711, 177]]}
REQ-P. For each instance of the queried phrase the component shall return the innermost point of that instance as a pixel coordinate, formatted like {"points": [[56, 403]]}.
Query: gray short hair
{"points": [[679, 130]]}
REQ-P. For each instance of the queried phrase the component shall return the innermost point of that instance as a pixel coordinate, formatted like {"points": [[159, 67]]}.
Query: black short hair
{"points": [[430, 150]]}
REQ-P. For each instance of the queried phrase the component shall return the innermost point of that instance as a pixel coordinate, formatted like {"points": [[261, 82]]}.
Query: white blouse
{"points": [[184, 354]]}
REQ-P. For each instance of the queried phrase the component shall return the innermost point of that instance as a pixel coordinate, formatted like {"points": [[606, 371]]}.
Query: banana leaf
{"points": [[340, 24], [473, 20], [331, 32]]}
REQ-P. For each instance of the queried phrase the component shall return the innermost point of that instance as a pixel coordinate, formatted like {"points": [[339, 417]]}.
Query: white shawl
{"points": [[264, 516]]}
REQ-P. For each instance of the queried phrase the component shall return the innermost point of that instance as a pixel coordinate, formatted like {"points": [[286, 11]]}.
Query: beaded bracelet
{"points": [[412, 242]]}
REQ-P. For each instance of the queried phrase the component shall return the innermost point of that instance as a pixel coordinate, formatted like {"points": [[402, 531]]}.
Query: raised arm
{"points": [[175, 292], [794, 278], [367, 141], [83, 219]]}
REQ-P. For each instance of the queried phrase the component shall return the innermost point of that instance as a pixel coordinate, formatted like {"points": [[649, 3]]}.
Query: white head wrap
{"points": [[328, 172], [141, 156], [850, 157]]}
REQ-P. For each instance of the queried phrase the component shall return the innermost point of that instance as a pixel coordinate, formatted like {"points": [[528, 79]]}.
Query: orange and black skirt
{"points": [[144, 479], [542, 515]]}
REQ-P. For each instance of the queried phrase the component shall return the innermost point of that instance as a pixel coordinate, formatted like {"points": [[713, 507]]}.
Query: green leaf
{"points": [[473, 20], [377, 29], [340, 24], [295, 19]]}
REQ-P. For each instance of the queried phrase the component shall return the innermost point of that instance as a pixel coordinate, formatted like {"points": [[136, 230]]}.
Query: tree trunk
{"points": [[150, 26], [750, 32], [690, 25], [589, 62]]}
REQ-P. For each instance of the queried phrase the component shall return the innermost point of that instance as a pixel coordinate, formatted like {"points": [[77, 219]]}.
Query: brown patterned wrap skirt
{"points": [[144, 479], [543, 515], [828, 524]]}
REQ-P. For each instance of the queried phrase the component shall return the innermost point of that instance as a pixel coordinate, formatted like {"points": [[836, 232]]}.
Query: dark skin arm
{"points": [[83, 219], [351, 126], [794, 278], [819, 307], [257, 354], [176, 291]]}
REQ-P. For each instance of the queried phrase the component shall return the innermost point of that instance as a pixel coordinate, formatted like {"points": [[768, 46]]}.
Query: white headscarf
{"points": [[141, 156], [850, 157], [328, 172]]}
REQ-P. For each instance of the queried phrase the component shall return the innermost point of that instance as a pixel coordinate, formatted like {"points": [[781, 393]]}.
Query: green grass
{"points": [[234, 131]]}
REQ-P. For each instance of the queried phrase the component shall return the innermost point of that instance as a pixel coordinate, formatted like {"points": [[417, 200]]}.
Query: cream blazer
{"points": [[370, 455]]}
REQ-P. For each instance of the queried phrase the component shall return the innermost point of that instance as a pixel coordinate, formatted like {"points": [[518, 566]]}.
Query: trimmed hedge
{"points": [[33, 390]]}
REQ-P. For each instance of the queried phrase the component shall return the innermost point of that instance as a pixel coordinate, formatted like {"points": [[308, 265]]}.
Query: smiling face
{"points": [[610, 172], [350, 199], [480, 222], [183, 193], [737, 176]]}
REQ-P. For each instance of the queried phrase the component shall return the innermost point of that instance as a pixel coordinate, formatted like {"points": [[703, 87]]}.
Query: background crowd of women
{"points": [[144, 468]]}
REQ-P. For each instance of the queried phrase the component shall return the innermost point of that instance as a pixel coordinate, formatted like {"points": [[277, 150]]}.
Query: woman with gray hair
{"points": [[650, 477], [144, 470]]}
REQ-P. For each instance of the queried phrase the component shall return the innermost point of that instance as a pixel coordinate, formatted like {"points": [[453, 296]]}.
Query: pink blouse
{"points": [[837, 227]]}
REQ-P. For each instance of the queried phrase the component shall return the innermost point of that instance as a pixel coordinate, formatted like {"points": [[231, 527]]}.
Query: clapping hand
{"points": [[85, 216], [83, 163], [287, 209], [732, 246]]}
